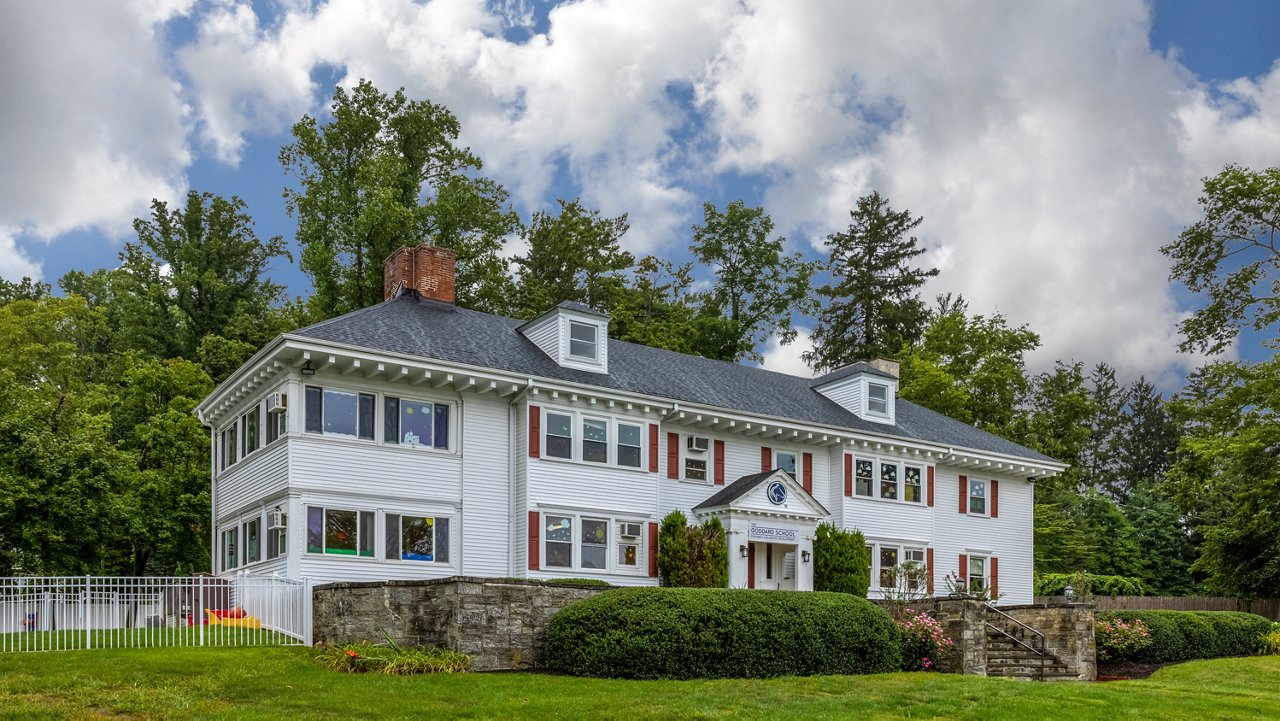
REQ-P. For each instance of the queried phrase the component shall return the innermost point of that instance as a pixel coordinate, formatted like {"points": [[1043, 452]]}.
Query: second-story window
{"points": [[911, 484], [786, 461], [595, 440], [559, 435], [889, 480], [251, 430], [863, 476], [582, 341], [339, 412], [415, 423], [977, 497], [629, 445]]}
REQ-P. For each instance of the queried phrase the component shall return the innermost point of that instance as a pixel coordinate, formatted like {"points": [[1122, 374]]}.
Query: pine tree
{"points": [[873, 303]]}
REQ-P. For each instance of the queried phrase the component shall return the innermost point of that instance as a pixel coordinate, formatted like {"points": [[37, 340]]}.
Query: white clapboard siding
{"points": [[486, 540], [263, 473], [1008, 538], [333, 463], [545, 333]]}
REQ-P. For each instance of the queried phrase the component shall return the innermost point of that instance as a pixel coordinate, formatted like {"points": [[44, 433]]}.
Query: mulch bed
{"points": [[1128, 671]]}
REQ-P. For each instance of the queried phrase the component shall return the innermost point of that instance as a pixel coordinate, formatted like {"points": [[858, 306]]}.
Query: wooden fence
{"points": [[1269, 607]]}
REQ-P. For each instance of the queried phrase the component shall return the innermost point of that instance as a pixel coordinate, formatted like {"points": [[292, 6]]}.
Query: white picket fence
{"points": [[87, 612]]}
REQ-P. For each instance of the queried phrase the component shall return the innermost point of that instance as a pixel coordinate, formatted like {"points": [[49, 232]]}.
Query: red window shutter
{"points": [[653, 447], [995, 499], [848, 475], [766, 459], [964, 494], [719, 463], [653, 550], [964, 571], [535, 432], [535, 547], [995, 578], [928, 561], [673, 455], [808, 473], [930, 489]]}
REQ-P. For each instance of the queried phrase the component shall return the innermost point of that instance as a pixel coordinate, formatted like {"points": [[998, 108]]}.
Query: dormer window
{"points": [[582, 341], [878, 398]]}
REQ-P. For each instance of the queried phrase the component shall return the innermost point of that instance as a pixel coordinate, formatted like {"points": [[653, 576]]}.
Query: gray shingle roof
{"points": [[415, 326], [735, 490]]}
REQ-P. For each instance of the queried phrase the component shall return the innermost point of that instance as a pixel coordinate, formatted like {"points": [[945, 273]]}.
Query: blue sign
{"points": [[777, 492]]}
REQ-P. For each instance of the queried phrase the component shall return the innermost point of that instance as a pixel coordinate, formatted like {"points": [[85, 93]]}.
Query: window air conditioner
{"points": [[698, 443], [276, 520], [277, 403], [630, 530]]}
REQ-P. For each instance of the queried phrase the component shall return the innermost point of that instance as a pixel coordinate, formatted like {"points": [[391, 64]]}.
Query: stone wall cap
{"points": [[462, 579]]}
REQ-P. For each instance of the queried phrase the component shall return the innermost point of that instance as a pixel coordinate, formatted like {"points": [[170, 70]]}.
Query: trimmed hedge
{"points": [[1052, 584], [1185, 635], [684, 633]]}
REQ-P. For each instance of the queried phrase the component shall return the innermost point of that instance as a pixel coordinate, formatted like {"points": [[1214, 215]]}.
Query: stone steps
{"points": [[1008, 659]]}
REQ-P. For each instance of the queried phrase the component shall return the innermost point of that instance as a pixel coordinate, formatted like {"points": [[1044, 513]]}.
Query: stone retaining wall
{"points": [[1068, 633], [500, 624]]}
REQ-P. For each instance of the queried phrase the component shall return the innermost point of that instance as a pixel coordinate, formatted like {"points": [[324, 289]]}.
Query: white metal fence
{"points": [[85, 612]]}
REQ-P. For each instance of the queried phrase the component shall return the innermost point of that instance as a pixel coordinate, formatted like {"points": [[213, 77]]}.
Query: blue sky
{"points": [[1051, 148]]}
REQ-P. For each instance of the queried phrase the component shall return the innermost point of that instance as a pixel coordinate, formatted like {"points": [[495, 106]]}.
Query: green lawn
{"points": [[287, 683]]}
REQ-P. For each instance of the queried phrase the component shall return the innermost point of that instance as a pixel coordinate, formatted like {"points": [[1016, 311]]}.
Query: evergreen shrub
{"points": [[686, 633], [840, 561], [692, 556], [1086, 584], [1185, 635]]}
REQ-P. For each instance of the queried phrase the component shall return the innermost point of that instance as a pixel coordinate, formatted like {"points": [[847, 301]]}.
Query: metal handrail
{"points": [[1042, 651]]}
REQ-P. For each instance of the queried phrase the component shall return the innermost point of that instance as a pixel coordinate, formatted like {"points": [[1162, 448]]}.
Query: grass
{"points": [[134, 637], [271, 683]]}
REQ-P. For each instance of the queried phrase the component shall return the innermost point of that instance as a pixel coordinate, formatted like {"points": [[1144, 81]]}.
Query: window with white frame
{"points": [[340, 532], [976, 574], [629, 442], [912, 483], [786, 460], [409, 422], [878, 398], [888, 557], [277, 534], [276, 425], [697, 449], [229, 447], [250, 423], [417, 538], [888, 480], [252, 541], [336, 412], [582, 341], [230, 548], [595, 440], [559, 432], [587, 543], [576, 436], [977, 497], [863, 476]]}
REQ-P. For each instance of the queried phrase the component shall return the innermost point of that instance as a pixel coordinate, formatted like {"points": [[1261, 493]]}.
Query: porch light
{"points": [[307, 369], [1070, 593], [742, 550], [804, 556]]}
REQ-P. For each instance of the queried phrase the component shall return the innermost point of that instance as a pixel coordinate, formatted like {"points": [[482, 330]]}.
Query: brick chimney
{"points": [[427, 269]]}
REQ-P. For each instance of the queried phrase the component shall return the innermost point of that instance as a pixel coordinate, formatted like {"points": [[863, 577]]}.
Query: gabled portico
{"points": [[770, 522]]}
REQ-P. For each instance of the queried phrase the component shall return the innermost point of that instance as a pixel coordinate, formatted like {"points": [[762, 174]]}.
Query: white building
{"points": [[415, 439]]}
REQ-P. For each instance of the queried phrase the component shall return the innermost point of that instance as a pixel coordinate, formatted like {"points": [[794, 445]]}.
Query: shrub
{"points": [[393, 659], [1120, 640], [1269, 644], [692, 556], [840, 561], [683, 633], [1086, 584], [923, 641], [1184, 635]]}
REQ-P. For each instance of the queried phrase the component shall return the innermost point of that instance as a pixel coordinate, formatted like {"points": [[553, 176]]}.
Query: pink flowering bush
{"points": [[1120, 640], [923, 641]]}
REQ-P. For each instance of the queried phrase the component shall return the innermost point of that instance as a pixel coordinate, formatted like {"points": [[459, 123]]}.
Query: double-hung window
{"points": [[340, 413], [976, 576], [559, 541], [582, 341], [415, 423], [863, 476], [888, 559], [911, 484], [229, 447], [276, 425], [230, 548], [559, 435], [595, 440], [251, 430], [977, 497], [252, 541], [414, 538], [888, 480], [340, 532], [594, 551], [586, 543], [786, 461], [628, 445], [878, 399], [900, 567], [278, 538]]}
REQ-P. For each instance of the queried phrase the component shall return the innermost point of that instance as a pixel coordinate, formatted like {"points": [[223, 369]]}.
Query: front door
{"points": [[751, 565]]}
